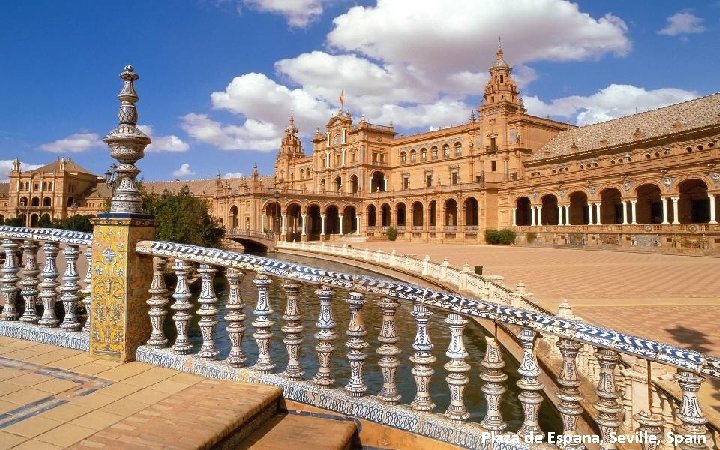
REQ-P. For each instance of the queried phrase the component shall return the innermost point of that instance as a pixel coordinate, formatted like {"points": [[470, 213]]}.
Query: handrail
{"points": [[46, 234], [542, 322]]}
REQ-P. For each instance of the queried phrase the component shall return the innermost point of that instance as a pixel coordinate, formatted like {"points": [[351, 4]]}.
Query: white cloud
{"points": [[416, 66], [299, 13], [183, 171], [75, 143], [683, 23], [6, 167], [233, 175], [252, 135], [169, 143], [616, 100]]}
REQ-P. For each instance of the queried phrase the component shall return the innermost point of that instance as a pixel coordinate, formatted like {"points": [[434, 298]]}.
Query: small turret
{"points": [[501, 91]]}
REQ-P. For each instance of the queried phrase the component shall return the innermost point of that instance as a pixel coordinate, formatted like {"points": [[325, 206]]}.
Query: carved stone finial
{"points": [[127, 145]]}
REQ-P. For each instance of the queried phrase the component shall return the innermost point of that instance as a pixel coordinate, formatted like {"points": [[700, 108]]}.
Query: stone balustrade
{"points": [[335, 290], [32, 285], [38, 300]]}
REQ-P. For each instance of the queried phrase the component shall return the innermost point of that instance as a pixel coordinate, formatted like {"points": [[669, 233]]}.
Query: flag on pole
{"points": [[342, 98]]}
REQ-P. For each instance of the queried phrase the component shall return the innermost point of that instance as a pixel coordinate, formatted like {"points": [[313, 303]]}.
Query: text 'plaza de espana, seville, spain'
{"points": [[649, 181]]}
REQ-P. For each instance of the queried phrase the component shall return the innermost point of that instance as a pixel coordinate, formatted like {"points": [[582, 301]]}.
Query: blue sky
{"points": [[219, 78]]}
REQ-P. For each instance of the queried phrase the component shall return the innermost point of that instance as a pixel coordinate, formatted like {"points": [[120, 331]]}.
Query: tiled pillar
{"points": [[676, 218]]}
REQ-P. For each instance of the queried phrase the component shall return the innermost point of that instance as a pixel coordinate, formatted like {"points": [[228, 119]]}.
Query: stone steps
{"points": [[292, 431], [223, 415]]}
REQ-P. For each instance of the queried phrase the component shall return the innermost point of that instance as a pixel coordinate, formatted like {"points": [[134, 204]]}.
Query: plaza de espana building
{"points": [[649, 181]]}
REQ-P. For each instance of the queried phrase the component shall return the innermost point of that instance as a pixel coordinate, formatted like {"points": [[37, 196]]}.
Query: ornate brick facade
{"points": [[647, 180]]}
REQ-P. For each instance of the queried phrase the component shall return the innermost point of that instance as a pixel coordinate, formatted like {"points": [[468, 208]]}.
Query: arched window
{"points": [[434, 152], [458, 149], [403, 157], [413, 156], [423, 154], [446, 151]]}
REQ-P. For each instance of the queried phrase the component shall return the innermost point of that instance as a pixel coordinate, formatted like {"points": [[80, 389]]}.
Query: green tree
{"points": [[75, 223], [183, 218], [45, 221], [15, 221]]}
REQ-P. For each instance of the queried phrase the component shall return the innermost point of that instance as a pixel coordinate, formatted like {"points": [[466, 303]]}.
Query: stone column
{"points": [[633, 212], [590, 213], [713, 220], [302, 225], [676, 219], [624, 212], [598, 217], [357, 225], [567, 214], [262, 226], [560, 215], [539, 215], [282, 225], [119, 322], [514, 217], [322, 224], [665, 211], [340, 219], [532, 216]]}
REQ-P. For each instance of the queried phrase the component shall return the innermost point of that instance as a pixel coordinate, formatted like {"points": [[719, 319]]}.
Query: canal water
{"points": [[474, 338]]}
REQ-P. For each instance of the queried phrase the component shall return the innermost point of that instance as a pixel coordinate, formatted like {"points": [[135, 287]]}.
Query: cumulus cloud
{"points": [[75, 143], [299, 13], [616, 100], [183, 171], [416, 66], [6, 167], [233, 175], [252, 135], [169, 143], [683, 22]]}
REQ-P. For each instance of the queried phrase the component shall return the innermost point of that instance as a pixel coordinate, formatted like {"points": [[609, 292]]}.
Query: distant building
{"points": [[650, 180]]}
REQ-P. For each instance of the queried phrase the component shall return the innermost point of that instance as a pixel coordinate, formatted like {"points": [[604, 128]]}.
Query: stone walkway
{"points": [[53, 398]]}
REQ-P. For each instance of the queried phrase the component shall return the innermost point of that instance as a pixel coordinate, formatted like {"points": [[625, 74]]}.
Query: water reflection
{"points": [[474, 338]]}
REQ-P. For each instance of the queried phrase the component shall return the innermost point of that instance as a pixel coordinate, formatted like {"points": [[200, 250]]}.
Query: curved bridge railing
{"points": [[383, 406], [31, 277]]}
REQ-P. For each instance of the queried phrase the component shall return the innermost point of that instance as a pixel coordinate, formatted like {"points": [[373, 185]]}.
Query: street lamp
{"points": [[111, 175]]}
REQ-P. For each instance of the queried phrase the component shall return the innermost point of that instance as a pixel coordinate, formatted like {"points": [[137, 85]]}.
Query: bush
{"points": [[392, 233], [15, 221], [500, 237]]}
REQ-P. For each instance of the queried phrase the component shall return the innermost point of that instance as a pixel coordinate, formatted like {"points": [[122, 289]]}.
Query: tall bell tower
{"points": [[501, 92]]}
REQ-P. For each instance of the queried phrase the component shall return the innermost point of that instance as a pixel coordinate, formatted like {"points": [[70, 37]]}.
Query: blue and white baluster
{"points": [[182, 305], [356, 345], [325, 338], [70, 289], [494, 378], [569, 393], [457, 369], [691, 415], [262, 323], [86, 291], [29, 282], [49, 283], [422, 360], [158, 302], [388, 351], [9, 281], [235, 318], [530, 388], [607, 404], [292, 329], [207, 311]]}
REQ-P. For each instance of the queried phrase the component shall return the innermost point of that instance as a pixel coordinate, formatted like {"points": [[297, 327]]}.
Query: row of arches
{"points": [[412, 155], [691, 205], [414, 214], [35, 201]]}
